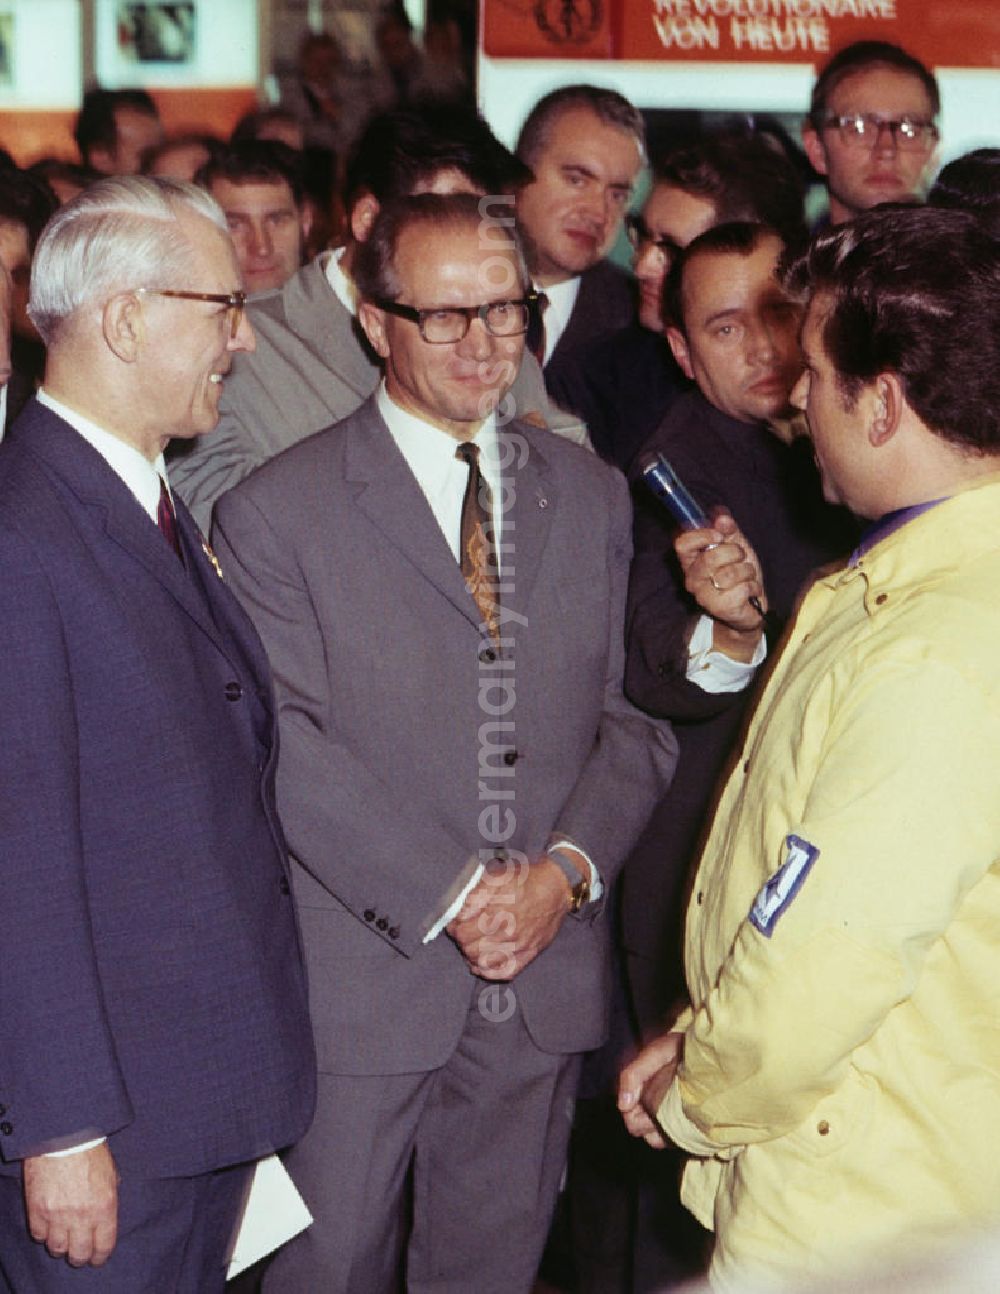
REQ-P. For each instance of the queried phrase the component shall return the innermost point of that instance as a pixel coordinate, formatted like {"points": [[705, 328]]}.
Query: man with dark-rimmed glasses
{"points": [[440, 589], [871, 130]]}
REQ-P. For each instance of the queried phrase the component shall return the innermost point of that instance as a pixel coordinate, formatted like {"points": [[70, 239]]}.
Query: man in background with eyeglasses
{"points": [[871, 128], [154, 1021], [441, 589]]}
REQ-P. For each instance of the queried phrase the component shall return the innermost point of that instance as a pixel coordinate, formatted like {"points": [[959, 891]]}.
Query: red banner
{"points": [[943, 33]]}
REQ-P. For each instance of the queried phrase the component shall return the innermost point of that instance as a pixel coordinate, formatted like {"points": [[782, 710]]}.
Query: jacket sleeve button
{"points": [[233, 691], [394, 932], [369, 914], [381, 924]]}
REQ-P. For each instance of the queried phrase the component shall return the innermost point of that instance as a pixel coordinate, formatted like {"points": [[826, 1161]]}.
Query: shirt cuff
{"points": [[714, 671], [75, 1150], [455, 907]]}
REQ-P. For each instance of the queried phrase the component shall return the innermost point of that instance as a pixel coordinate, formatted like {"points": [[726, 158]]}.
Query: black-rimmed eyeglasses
{"points": [[236, 302], [864, 130], [445, 324], [641, 236]]}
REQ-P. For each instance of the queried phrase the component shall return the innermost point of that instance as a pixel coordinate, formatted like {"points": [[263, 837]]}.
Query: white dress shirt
{"points": [[562, 299], [140, 475]]}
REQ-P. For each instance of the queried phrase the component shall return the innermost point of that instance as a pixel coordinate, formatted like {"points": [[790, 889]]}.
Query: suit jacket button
{"points": [[6, 1128], [487, 656], [285, 887], [369, 914], [381, 924], [394, 932], [233, 691], [510, 758]]}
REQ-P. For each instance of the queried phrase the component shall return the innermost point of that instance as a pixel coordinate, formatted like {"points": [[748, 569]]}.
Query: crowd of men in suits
{"points": [[364, 722]]}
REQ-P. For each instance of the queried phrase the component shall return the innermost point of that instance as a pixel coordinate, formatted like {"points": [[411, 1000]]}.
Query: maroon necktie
{"points": [[166, 519], [478, 552]]}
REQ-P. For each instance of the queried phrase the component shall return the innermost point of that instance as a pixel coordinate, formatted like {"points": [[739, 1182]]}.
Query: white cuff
{"points": [[714, 671], [75, 1150], [455, 907]]}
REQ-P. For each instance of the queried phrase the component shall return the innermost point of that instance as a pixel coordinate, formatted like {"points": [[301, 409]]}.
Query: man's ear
{"points": [[363, 215], [372, 320], [815, 149], [678, 344], [887, 409], [124, 326], [307, 215]]}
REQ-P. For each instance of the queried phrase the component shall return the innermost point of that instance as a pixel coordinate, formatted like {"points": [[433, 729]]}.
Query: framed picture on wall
{"points": [[174, 44], [156, 33], [6, 48]]}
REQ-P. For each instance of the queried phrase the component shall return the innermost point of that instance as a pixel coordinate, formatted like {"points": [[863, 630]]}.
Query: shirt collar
{"points": [[140, 475], [561, 300], [338, 280], [427, 449]]}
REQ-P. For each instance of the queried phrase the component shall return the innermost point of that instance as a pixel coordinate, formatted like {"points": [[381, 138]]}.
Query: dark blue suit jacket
{"points": [[152, 978]]}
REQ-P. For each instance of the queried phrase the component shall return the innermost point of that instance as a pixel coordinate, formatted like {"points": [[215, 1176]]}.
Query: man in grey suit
{"points": [[460, 777], [313, 366]]}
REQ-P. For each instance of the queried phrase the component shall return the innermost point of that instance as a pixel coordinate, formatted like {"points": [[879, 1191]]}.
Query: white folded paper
{"points": [[274, 1213]]}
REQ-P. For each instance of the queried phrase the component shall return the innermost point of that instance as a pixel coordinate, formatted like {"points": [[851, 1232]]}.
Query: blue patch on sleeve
{"points": [[783, 886]]}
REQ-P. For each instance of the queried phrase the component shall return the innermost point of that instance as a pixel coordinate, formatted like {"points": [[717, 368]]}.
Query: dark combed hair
{"points": [[403, 148], [737, 238], [375, 265], [860, 56], [610, 107], [255, 161], [914, 291], [26, 199], [971, 183], [95, 124], [746, 177]]}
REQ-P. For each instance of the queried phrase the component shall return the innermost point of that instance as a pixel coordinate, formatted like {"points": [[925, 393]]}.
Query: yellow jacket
{"points": [[841, 1075]]}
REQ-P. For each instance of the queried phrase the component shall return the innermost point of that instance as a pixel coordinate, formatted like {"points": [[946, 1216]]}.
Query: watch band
{"points": [[579, 885]]}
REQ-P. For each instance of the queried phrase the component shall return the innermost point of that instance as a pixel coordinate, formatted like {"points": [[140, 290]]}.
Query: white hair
{"points": [[116, 235]]}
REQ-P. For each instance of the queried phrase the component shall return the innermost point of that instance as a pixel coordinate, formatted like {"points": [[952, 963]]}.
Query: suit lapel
{"points": [[101, 491], [525, 526], [389, 496]]}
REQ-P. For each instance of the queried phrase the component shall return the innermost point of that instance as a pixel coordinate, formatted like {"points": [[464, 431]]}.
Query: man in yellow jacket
{"points": [[836, 1077]]}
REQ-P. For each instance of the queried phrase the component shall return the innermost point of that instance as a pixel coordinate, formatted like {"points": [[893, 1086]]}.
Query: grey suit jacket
{"points": [[410, 750], [311, 368]]}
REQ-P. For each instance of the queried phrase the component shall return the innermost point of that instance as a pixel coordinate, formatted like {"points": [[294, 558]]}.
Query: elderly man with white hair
{"points": [[154, 1031]]}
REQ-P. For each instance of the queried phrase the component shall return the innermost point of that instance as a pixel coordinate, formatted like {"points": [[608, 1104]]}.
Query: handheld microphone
{"points": [[663, 481]]}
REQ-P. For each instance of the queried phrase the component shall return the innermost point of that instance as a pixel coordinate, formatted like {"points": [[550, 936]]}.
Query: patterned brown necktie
{"points": [[478, 551], [166, 519]]}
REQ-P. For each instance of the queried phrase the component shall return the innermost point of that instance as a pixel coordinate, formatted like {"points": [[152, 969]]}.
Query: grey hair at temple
{"points": [[118, 234]]}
